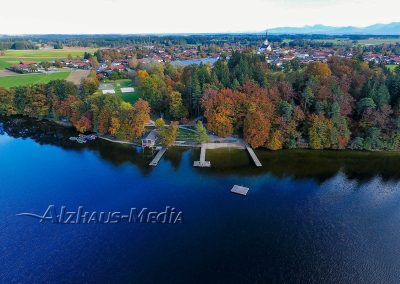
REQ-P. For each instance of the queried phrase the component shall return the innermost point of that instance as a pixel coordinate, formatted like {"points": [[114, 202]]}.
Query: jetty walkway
{"points": [[253, 156], [158, 157]]}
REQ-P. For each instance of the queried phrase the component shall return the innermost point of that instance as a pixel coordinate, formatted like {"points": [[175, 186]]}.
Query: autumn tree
{"points": [[168, 135], [319, 69], [83, 124], [320, 132], [160, 123], [7, 106], [256, 129], [138, 117], [176, 108], [275, 141]]}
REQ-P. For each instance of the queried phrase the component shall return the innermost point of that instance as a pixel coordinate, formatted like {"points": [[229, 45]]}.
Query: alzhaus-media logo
{"points": [[144, 216]]}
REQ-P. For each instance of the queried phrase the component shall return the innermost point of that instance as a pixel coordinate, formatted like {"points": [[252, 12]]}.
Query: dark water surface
{"points": [[310, 217]]}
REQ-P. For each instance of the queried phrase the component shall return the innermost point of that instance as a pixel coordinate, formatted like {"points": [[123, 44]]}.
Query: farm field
{"points": [[77, 76], [377, 41], [48, 52], [30, 79], [12, 57], [348, 41], [124, 83]]}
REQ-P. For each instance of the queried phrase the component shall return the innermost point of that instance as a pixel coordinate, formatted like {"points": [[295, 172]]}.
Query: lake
{"points": [[187, 62], [310, 216]]}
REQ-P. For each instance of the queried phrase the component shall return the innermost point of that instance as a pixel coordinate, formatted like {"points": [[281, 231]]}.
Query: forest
{"points": [[80, 105], [341, 104], [344, 103]]}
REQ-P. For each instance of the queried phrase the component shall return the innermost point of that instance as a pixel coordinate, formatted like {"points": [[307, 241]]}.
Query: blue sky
{"points": [[177, 16]]}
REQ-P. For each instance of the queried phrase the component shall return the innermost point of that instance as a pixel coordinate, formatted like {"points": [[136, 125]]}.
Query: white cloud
{"points": [[173, 16]]}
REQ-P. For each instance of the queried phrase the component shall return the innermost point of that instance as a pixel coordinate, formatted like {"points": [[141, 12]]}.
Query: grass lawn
{"points": [[4, 63], [128, 97], [31, 79], [186, 135], [391, 67]]}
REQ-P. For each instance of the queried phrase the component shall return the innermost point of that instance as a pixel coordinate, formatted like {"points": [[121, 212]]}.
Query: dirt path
{"points": [[6, 73], [77, 76]]}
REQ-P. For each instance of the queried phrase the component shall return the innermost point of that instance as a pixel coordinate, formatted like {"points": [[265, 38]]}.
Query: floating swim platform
{"points": [[240, 190]]}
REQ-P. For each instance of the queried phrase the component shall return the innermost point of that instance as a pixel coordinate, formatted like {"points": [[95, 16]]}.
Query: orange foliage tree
{"points": [[256, 129], [139, 115]]}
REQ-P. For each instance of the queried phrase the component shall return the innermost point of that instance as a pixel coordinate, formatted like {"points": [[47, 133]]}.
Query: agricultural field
{"points": [[124, 83], [11, 57], [31, 79], [378, 41], [348, 41], [63, 53], [76, 76]]}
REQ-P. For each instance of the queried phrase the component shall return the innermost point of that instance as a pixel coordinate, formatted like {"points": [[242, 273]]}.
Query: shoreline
{"points": [[117, 141], [210, 145]]}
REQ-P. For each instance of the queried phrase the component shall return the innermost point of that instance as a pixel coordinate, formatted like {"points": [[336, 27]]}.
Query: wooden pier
{"points": [[253, 156], [202, 163], [158, 157], [240, 190]]}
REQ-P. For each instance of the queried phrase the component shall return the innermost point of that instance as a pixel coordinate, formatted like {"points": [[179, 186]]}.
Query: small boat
{"points": [[81, 140], [88, 137]]}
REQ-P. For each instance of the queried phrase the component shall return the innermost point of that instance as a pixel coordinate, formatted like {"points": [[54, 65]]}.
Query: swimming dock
{"points": [[240, 190], [158, 157], [253, 156], [202, 163]]}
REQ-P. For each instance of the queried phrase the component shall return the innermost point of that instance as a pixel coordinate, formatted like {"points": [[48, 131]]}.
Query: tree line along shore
{"points": [[339, 104]]}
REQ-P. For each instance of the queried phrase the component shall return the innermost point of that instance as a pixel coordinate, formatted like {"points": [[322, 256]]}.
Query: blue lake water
{"points": [[319, 217], [207, 60]]}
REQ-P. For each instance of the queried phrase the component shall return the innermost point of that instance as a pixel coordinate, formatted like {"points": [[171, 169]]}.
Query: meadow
{"points": [[11, 57], [124, 83], [48, 52], [31, 79], [348, 41]]}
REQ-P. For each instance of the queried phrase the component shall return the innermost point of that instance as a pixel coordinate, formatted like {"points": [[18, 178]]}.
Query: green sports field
{"points": [[118, 84], [31, 79]]}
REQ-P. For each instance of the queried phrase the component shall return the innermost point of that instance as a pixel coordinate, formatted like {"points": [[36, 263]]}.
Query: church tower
{"points": [[266, 46]]}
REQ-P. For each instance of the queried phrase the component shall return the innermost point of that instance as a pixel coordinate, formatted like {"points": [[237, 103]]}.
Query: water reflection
{"points": [[297, 164]]}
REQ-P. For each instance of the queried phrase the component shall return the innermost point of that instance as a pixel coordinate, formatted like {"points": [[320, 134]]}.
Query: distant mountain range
{"points": [[378, 29]]}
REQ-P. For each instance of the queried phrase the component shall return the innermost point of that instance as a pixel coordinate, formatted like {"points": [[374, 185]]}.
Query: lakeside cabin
{"points": [[149, 141]]}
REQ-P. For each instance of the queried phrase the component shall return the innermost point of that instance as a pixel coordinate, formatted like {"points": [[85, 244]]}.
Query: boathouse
{"points": [[149, 141]]}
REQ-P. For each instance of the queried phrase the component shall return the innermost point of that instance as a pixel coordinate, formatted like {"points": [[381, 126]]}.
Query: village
{"points": [[121, 59]]}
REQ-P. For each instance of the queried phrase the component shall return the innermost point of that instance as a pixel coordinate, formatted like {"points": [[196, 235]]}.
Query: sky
{"points": [[187, 16]]}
